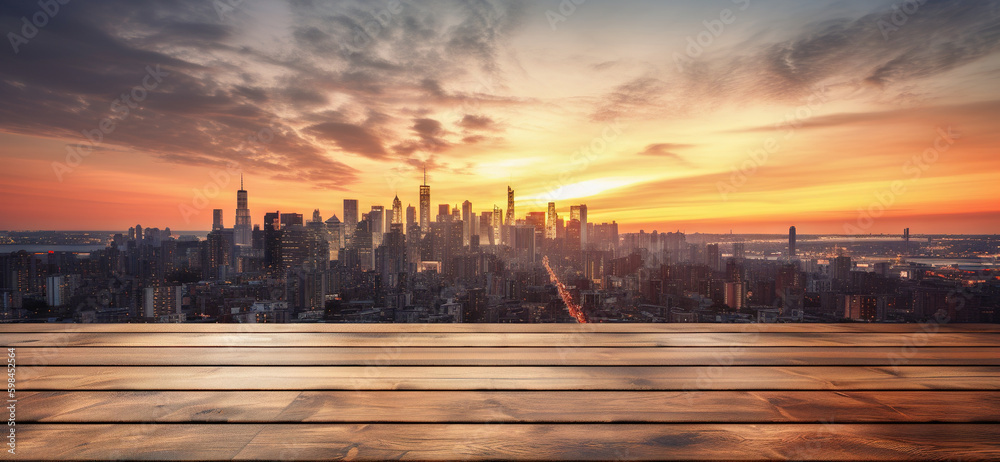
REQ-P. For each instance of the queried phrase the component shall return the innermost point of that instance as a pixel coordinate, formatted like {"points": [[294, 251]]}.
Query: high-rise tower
{"points": [[425, 205], [550, 221], [497, 222], [791, 242], [397, 211], [350, 216], [216, 219], [411, 215], [466, 222], [510, 207], [242, 229]]}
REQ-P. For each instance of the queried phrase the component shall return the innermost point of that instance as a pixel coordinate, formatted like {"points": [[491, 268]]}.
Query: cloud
{"points": [[927, 116], [848, 52], [350, 138], [346, 74], [664, 150], [478, 123]]}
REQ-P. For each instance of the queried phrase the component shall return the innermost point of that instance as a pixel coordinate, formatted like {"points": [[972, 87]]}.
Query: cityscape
{"points": [[497, 162], [456, 263], [485, 230]]}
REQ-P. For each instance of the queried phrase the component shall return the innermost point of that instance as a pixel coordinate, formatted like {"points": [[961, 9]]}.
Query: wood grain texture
{"points": [[498, 340], [512, 441], [511, 356], [523, 392], [510, 378], [508, 406], [501, 328]]}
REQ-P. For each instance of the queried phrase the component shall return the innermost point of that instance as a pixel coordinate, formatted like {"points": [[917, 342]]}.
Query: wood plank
{"points": [[131, 441], [509, 406], [512, 441], [513, 356], [499, 328], [48, 378], [567, 340]]}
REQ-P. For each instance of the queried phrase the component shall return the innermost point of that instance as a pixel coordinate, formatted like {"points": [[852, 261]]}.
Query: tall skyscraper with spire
{"points": [[397, 211], [242, 229], [425, 205]]}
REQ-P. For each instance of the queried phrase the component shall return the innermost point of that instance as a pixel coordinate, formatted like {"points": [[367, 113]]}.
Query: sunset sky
{"points": [[319, 101]]}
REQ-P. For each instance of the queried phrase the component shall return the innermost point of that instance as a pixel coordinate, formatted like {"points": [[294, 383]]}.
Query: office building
{"points": [[425, 205], [791, 242], [350, 217], [242, 228]]}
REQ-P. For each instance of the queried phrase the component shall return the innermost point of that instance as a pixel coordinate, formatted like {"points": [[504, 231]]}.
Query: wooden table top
{"points": [[506, 391]]}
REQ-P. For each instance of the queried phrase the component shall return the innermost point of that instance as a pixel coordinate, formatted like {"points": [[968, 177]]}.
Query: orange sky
{"points": [[887, 131]]}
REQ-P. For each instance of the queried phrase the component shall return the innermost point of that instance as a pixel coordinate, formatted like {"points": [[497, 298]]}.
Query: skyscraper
{"points": [[713, 257], [497, 222], [272, 240], [411, 216], [216, 219], [550, 222], [350, 216], [425, 205], [791, 242], [242, 229], [377, 218], [739, 251], [510, 207], [466, 222], [334, 236], [397, 211]]}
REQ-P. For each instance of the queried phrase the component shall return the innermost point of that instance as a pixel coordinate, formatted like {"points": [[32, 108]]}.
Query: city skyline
{"points": [[683, 116]]}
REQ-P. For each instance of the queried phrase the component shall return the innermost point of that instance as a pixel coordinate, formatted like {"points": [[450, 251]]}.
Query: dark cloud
{"points": [[66, 79], [350, 138], [478, 123], [428, 129], [352, 75]]}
